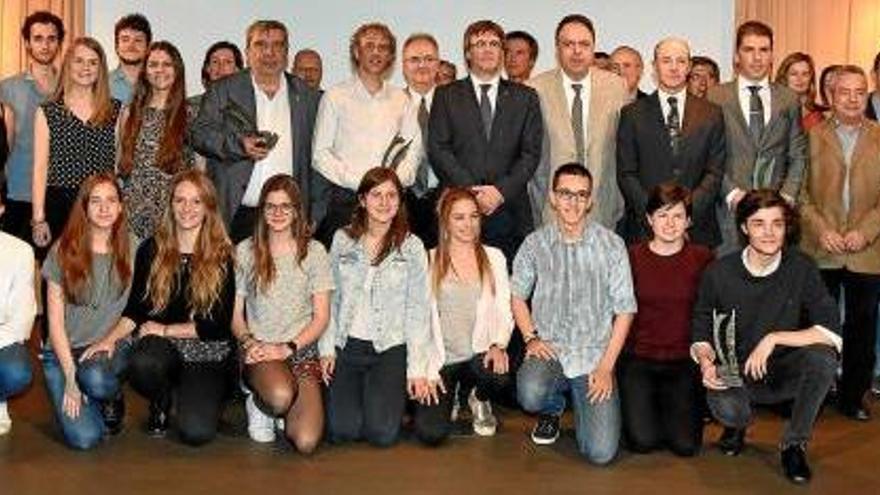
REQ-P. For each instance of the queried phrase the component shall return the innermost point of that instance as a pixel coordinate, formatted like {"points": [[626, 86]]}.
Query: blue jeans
{"points": [[98, 379], [541, 388], [15, 370]]}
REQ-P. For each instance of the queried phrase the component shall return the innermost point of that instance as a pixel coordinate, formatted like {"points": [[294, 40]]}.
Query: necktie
{"points": [[486, 109], [756, 114], [422, 172], [577, 122], [673, 124]]}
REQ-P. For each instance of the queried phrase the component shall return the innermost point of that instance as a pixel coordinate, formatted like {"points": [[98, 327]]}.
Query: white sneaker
{"points": [[485, 423], [261, 427], [5, 420]]}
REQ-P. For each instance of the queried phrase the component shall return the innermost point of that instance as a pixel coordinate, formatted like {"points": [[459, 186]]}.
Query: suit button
{"points": [[676, 172]]}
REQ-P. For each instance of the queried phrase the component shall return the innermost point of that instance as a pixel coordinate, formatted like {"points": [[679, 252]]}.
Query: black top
{"points": [[791, 298], [78, 149]]}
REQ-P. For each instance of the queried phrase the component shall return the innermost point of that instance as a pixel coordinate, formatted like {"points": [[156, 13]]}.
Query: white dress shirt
{"points": [[273, 114], [681, 96], [17, 299], [493, 89], [586, 90], [354, 128], [745, 95], [415, 99]]}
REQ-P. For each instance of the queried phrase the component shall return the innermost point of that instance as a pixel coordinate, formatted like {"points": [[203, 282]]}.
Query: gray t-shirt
{"points": [[457, 308], [279, 314], [88, 321]]}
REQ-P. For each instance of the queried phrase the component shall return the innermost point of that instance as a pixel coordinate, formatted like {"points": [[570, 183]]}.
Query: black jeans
{"points": [[243, 223], [158, 372], [861, 293], [367, 395], [16, 220], [422, 215], [802, 374], [433, 423], [340, 206], [658, 401]]}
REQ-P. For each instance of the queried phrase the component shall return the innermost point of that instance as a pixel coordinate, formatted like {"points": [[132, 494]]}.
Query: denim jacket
{"points": [[398, 299]]}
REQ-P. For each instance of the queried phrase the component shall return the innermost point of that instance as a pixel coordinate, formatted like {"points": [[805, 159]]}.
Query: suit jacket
{"points": [[869, 110], [783, 143], [821, 197], [215, 136], [462, 155], [607, 96], [645, 160]]}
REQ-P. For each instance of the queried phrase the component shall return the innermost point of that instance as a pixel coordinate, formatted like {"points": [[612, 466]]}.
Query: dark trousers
{"points": [[658, 401], [422, 215], [861, 293], [243, 223], [801, 374], [158, 372], [433, 423], [16, 220], [367, 395], [59, 203], [340, 206], [501, 229]]}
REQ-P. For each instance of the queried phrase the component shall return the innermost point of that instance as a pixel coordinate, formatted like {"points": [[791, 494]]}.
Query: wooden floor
{"points": [[845, 457]]}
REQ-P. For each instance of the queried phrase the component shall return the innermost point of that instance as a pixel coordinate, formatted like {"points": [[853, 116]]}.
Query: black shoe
{"points": [[732, 441], [794, 464], [113, 412], [157, 422], [546, 430], [858, 413]]}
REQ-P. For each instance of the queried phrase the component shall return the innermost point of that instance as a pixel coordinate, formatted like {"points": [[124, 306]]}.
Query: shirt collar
{"points": [[556, 236], [745, 83], [282, 88], [415, 96], [383, 92], [567, 81], [493, 82], [664, 95], [766, 271]]}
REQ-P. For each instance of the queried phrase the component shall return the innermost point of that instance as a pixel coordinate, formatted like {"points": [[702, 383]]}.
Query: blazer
{"points": [[493, 322], [821, 198], [214, 136], [645, 159], [607, 96], [462, 155], [783, 142]]}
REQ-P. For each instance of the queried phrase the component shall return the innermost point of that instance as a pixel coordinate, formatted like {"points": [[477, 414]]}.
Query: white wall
{"points": [[192, 25]]}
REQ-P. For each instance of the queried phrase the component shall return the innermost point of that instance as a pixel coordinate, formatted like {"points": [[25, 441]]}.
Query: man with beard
{"points": [[43, 33], [133, 36]]}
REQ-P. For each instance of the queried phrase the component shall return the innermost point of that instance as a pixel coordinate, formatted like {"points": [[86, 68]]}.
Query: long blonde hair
{"points": [[442, 262], [210, 258], [103, 112]]}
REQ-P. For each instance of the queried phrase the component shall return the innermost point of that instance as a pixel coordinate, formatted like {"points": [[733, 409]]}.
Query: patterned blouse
{"points": [[77, 149], [147, 187]]}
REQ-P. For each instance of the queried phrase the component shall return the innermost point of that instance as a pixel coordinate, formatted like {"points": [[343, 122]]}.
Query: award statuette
{"points": [[724, 330], [396, 152], [243, 123]]}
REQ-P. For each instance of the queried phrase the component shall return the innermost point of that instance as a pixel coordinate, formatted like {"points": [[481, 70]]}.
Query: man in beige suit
{"points": [[766, 146], [580, 105], [841, 224]]}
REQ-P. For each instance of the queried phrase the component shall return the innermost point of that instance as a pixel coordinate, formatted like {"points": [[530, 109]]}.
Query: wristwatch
{"points": [[293, 347], [530, 337]]}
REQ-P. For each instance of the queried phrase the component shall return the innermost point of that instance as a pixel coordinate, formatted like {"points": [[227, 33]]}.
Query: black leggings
{"points": [[658, 401], [158, 372]]}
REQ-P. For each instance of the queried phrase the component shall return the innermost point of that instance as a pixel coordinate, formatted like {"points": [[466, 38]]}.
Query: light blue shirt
{"points": [[579, 286], [120, 88], [22, 94]]}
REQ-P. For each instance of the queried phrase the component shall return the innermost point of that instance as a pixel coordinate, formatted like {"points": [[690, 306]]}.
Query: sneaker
{"points": [[732, 441], [261, 426], [5, 420], [484, 421], [546, 430], [794, 464], [875, 386], [113, 411], [157, 421]]}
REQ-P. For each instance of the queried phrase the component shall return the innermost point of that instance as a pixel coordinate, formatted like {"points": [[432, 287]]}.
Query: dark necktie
{"points": [[756, 114], [422, 172], [673, 124], [486, 109], [577, 122]]}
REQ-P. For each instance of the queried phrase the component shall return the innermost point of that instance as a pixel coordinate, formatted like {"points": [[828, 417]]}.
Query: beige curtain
{"points": [[832, 31], [13, 58]]}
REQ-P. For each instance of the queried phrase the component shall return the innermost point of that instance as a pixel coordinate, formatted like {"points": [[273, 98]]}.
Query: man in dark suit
{"points": [[485, 133], [627, 63], [766, 145], [263, 98], [671, 136], [872, 111]]}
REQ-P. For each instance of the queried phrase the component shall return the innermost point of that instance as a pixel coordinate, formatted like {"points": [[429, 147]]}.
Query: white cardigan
{"points": [[493, 323]]}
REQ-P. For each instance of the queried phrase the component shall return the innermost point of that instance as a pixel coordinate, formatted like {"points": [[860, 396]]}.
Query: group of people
{"points": [[355, 255]]}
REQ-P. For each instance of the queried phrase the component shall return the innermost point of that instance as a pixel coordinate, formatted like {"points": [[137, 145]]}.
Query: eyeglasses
{"points": [[486, 44], [427, 60], [571, 44], [571, 196], [274, 208]]}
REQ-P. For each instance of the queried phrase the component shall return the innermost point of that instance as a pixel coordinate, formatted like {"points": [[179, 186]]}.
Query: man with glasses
{"points": [[255, 124], [581, 107], [485, 133], [363, 123], [577, 274]]}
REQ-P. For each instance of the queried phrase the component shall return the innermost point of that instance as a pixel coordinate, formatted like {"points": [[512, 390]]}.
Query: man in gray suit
{"points": [[262, 98], [766, 146], [580, 105]]}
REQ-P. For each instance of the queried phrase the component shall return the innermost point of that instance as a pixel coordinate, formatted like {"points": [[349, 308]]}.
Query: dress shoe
{"points": [[858, 413], [794, 464], [113, 412], [732, 441], [157, 421]]}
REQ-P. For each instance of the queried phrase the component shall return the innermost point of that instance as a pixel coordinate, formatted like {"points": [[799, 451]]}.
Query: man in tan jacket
{"points": [[840, 208]]}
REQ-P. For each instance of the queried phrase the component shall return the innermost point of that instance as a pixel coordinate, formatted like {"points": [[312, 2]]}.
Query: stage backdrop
{"points": [[326, 25]]}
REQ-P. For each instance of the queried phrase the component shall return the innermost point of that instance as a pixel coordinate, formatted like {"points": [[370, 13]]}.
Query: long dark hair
{"points": [[359, 219]]}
